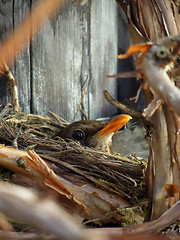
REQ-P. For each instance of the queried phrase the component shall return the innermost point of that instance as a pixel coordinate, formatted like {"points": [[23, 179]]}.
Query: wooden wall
{"points": [[69, 59]]}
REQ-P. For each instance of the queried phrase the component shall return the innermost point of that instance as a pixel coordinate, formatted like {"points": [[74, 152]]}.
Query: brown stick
{"points": [[124, 108], [44, 214], [144, 229], [12, 85]]}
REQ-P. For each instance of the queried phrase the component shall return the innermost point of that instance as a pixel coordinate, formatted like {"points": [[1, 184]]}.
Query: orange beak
{"points": [[114, 125]]}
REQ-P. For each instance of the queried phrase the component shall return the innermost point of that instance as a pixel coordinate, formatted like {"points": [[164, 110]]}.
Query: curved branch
{"points": [[130, 111]]}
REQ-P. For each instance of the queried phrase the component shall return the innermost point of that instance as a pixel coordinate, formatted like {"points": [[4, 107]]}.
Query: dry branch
{"points": [[12, 86], [132, 112], [41, 213], [142, 230]]}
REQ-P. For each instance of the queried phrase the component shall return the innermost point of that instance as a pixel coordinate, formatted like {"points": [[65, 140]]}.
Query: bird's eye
{"points": [[78, 135], [162, 53]]}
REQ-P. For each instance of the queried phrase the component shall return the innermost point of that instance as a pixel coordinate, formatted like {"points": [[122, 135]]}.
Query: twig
{"points": [[144, 229], [59, 119], [81, 102], [76, 170], [153, 106], [9, 132], [12, 86], [6, 110], [137, 95], [124, 108], [130, 74]]}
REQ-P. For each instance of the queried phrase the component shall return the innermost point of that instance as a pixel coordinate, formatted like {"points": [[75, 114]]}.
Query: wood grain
{"points": [[70, 54]]}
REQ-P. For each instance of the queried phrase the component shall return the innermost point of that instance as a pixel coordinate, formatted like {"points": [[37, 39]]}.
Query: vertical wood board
{"points": [[22, 68], [6, 26], [57, 62], [104, 44]]}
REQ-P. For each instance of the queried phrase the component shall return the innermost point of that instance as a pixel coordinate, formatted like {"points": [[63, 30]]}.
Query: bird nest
{"points": [[119, 176], [115, 173]]}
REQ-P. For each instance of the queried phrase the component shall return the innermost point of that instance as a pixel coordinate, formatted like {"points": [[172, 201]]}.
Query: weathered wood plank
{"points": [[57, 63], [22, 68], [11, 14], [6, 26], [81, 42], [104, 42]]}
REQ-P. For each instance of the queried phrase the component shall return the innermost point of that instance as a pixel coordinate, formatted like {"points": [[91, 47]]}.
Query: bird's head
{"points": [[95, 134]]}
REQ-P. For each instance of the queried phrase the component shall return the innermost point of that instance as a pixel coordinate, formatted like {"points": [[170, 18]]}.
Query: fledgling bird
{"points": [[95, 134], [131, 141]]}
